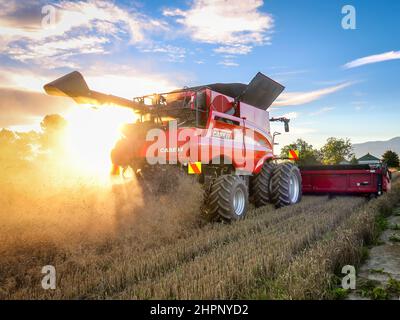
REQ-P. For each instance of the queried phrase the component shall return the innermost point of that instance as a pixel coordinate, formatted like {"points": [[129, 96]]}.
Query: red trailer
{"points": [[363, 179]]}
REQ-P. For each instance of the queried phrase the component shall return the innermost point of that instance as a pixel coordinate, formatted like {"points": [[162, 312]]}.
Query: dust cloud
{"points": [[44, 203]]}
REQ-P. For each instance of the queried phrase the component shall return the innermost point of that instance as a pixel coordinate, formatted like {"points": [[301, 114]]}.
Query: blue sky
{"points": [[342, 83]]}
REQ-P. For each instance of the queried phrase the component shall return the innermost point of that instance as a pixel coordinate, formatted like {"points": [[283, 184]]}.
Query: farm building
{"points": [[368, 159]]}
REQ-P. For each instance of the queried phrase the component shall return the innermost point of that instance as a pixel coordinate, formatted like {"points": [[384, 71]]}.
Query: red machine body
{"points": [[345, 179], [226, 121], [228, 129]]}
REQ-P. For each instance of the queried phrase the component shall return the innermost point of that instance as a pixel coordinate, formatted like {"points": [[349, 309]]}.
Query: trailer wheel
{"points": [[259, 187], [285, 185], [227, 199]]}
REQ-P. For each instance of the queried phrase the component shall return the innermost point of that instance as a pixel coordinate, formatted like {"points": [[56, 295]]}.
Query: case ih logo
{"points": [[222, 134], [174, 149]]}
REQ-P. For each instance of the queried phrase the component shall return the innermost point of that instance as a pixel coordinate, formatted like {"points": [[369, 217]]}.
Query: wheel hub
{"points": [[239, 200], [294, 188]]}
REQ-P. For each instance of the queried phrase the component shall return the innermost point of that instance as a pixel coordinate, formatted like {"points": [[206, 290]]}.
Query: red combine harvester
{"points": [[221, 132], [362, 179], [226, 141]]}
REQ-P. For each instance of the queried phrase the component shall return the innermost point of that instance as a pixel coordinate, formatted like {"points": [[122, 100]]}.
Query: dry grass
{"points": [[106, 243], [310, 274]]}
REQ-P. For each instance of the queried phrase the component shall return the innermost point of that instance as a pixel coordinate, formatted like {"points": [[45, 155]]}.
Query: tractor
{"points": [[219, 132]]}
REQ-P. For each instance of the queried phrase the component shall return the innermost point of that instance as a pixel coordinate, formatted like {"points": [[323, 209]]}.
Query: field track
{"points": [[267, 255]]}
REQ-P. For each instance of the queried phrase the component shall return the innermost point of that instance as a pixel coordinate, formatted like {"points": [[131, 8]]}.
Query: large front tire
{"points": [[260, 185], [227, 199], [285, 185]]}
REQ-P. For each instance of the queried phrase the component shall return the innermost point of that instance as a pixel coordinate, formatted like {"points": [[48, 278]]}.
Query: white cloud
{"points": [[234, 49], [391, 55], [104, 16], [174, 54], [236, 24], [127, 81], [228, 63], [321, 111], [80, 27], [56, 53], [299, 98], [291, 115], [289, 73]]}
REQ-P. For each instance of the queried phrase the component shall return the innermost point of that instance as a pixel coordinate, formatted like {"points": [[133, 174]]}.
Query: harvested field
{"points": [[104, 245]]}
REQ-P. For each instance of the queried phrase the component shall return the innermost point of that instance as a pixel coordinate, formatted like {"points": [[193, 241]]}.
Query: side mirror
{"points": [[286, 126]]}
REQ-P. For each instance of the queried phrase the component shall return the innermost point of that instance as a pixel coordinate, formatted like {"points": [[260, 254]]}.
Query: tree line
{"points": [[21, 146], [334, 151], [26, 145]]}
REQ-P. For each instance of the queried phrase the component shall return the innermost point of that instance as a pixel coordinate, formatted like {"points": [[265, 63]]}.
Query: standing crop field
{"points": [[104, 245]]}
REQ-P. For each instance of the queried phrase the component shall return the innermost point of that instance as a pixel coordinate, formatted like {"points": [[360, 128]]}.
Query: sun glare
{"points": [[91, 136]]}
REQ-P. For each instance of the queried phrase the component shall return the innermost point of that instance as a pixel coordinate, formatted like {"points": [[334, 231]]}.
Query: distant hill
{"points": [[376, 148]]}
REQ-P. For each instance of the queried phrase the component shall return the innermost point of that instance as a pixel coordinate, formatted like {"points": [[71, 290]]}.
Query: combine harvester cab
{"points": [[234, 157], [362, 179]]}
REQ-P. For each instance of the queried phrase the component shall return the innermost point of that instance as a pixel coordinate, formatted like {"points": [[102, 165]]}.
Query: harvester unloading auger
{"points": [[227, 144]]}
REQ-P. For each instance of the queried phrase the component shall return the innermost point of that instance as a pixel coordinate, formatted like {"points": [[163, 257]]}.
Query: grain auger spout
{"points": [[73, 85]]}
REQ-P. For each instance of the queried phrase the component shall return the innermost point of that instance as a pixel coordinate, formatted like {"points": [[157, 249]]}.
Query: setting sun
{"points": [[91, 135]]}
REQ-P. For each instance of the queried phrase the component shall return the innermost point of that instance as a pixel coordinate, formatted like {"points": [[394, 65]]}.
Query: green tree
{"points": [[53, 123], [53, 129], [391, 158], [307, 154], [17, 145], [353, 160], [7, 144], [336, 150]]}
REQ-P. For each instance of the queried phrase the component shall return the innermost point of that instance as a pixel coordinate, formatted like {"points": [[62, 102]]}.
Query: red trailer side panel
{"points": [[346, 179]]}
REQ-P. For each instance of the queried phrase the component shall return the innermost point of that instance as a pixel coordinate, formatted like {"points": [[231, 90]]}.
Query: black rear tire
{"points": [[285, 185], [227, 199], [260, 185]]}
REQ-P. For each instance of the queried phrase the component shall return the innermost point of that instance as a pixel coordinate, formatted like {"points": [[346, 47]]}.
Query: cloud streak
{"points": [[391, 55], [300, 98], [321, 111], [228, 63]]}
